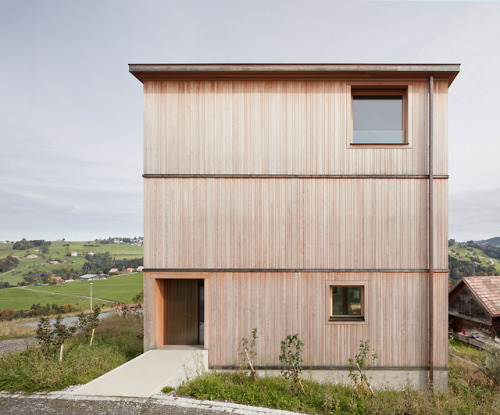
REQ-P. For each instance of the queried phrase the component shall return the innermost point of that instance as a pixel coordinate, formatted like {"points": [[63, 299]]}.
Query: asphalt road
{"points": [[42, 406]]}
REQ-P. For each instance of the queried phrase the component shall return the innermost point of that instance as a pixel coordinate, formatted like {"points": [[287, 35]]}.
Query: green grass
{"points": [[469, 392], [19, 299], [31, 371], [116, 341], [460, 249], [11, 277], [57, 250], [464, 351], [120, 288]]}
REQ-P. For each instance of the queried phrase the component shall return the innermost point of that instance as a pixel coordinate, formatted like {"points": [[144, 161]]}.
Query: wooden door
{"points": [[181, 312]]}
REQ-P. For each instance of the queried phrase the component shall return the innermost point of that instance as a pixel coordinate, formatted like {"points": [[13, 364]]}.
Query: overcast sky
{"points": [[71, 114]]}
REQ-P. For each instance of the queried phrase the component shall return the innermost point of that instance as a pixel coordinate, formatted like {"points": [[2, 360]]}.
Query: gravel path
{"points": [[27, 406], [63, 403], [7, 346]]}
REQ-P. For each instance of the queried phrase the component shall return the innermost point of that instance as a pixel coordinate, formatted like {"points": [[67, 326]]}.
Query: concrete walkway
{"points": [[148, 373]]}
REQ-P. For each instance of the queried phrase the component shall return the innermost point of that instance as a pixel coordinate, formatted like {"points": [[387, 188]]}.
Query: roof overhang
{"points": [[158, 72]]}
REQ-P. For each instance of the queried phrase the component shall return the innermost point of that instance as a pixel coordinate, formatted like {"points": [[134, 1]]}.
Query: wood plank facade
{"points": [[253, 185]]}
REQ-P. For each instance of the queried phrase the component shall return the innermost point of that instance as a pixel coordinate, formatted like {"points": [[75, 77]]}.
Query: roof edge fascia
{"points": [[146, 72]]}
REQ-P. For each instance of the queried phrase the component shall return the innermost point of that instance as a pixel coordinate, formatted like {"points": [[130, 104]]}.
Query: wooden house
{"points": [[474, 308], [299, 199]]}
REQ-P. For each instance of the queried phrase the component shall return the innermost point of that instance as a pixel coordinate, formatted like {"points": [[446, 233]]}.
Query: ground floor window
{"points": [[347, 302]]}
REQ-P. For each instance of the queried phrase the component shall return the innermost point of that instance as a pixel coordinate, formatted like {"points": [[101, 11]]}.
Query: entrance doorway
{"points": [[183, 311]]}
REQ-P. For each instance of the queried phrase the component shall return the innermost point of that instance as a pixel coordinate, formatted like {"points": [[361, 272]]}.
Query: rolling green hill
{"points": [[57, 252], [490, 242], [469, 258]]}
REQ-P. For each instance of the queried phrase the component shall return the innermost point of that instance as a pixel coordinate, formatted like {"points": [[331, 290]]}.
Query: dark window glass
{"points": [[378, 119], [347, 301]]}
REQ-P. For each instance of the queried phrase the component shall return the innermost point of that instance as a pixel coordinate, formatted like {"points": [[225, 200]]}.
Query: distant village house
{"points": [[92, 277]]}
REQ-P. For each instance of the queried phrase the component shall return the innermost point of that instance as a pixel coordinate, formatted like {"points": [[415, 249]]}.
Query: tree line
{"points": [[96, 264], [25, 244]]}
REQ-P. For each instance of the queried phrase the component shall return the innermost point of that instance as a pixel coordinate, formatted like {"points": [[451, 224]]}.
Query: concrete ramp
{"points": [[148, 373]]}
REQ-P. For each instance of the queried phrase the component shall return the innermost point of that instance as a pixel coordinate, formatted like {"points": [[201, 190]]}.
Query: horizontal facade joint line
{"points": [[289, 176], [381, 270]]}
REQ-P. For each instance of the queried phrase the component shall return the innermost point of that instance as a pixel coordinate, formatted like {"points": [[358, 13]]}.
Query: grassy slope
{"points": [[116, 340], [121, 288], [469, 392], [461, 250], [57, 251]]}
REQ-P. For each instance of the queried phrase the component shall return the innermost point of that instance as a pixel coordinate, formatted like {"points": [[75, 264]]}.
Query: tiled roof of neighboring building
{"points": [[487, 290]]}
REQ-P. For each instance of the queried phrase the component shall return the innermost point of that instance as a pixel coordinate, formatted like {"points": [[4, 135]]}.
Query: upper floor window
{"points": [[379, 114]]}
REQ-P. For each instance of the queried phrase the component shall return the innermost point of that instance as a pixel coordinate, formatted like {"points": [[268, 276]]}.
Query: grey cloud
{"points": [[474, 215]]}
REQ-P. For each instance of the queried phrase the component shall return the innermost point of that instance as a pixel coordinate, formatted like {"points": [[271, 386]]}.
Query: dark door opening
{"points": [[184, 312]]}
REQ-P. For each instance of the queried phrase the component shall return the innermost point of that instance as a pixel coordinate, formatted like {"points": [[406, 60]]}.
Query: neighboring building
{"points": [[139, 268], [91, 277], [295, 199], [474, 307], [31, 256], [113, 271], [74, 253]]}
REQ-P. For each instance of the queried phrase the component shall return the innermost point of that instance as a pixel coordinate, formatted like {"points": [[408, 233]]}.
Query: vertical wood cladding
{"points": [[293, 128], [292, 223], [277, 127], [279, 304]]}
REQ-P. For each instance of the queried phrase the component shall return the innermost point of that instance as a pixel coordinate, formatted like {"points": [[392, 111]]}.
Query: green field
{"points": [[120, 288], [461, 249], [57, 251]]}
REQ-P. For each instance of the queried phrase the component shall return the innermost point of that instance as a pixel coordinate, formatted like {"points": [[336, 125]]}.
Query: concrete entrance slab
{"points": [[148, 373]]}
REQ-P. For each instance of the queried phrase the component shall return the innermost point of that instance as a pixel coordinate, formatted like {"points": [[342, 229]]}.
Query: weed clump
{"points": [[489, 363], [124, 333], [291, 358], [247, 352], [116, 340]]}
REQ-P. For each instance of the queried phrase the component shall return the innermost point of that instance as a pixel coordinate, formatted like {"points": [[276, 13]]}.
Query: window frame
{"points": [[403, 89], [331, 319]]}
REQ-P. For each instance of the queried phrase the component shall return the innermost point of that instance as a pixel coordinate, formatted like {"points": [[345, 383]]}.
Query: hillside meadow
{"points": [[57, 251], [120, 288], [463, 250]]}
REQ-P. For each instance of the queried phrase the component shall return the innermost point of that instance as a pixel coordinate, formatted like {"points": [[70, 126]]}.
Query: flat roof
{"points": [[147, 72]]}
